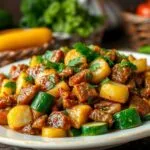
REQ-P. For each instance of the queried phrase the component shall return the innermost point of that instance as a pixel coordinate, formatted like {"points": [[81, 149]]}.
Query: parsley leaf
{"points": [[57, 66], [11, 85], [29, 79], [106, 80], [108, 60], [48, 55], [128, 64], [52, 81], [86, 51], [93, 86], [74, 62], [94, 67]]}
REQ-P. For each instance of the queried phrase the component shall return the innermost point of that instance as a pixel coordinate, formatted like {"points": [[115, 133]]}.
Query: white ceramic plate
{"points": [[111, 139]]}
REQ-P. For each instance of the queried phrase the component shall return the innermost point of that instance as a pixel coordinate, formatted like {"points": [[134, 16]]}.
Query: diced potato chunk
{"points": [[61, 85], [35, 60], [73, 54], [100, 70], [114, 92], [79, 115], [8, 87], [53, 132], [19, 116], [141, 65], [22, 82]]}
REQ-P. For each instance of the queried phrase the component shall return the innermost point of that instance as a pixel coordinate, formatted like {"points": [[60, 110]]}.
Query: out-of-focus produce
{"points": [[137, 25], [144, 49], [17, 39], [5, 19], [143, 10], [66, 16]]}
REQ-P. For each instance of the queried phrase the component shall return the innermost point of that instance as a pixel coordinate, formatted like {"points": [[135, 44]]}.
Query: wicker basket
{"points": [[8, 57], [137, 28]]}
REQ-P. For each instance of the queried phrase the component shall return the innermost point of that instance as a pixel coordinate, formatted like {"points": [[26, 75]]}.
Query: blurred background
{"points": [[120, 24]]}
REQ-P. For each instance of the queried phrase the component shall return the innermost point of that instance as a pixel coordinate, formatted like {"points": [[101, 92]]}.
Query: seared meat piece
{"points": [[2, 77], [141, 105], [99, 115], [83, 76], [47, 79], [145, 92], [57, 56], [139, 79], [27, 94], [59, 120], [3, 116], [36, 114], [7, 101], [16, 70], [29, 130], [84, 92], [108, 107], [66, 72], [120, 74], [68, 100], [34, 71], [40, 122]]}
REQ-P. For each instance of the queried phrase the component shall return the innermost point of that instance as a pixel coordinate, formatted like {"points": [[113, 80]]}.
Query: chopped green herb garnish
{"points": [[11, 85], [106, 80], [108, 60], [93, 86], [29, 79], [39, 59], [122, 56], [90, 100], [86, 51], [74, 62], [89, 76], [94, 67], [128, 64], [52, 81], [57, 66], [48, 55]]}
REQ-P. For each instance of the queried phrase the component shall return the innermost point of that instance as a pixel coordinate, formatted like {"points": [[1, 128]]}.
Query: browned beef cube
{"points": [[84, 92], [58, 119]]}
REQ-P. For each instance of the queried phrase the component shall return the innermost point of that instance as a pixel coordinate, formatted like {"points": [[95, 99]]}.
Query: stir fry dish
{"points": [[83, 91]]}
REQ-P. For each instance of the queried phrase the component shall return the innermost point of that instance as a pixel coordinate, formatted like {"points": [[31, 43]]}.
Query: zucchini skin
{"points": [[128, 118], [146, 117], [74, 132], [94, 130], [42, 102]]}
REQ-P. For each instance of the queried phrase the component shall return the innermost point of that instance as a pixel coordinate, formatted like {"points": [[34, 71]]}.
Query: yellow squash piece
{"points": [[141, 65], [53, 132], [36, 60], [22, 82], [73, 54], [19, 116], [61, 85], [100, 70], [79, 115], [19, 39], [8, 87], [114, 92]]}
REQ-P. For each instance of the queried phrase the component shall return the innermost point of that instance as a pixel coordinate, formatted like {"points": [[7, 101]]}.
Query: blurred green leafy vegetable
{"points": [[5, 19], [144, 49], [59, 15]]}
